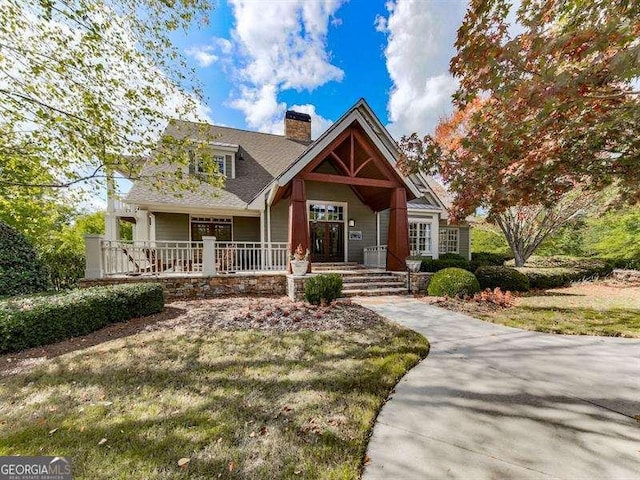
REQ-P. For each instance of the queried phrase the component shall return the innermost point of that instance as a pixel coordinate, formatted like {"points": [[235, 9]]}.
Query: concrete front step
{"points": [[373, 278], [374, 292]]}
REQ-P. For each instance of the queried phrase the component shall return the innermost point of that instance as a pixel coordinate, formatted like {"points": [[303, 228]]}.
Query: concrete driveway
{"points": [[493, 402]]}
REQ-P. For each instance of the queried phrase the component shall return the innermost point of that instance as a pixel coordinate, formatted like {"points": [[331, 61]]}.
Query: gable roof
{"points": [[265, 161], [263, 157], [361, 113]]}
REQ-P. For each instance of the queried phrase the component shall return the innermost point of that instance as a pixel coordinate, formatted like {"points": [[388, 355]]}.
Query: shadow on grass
{"points": [[11, 362], [240, 404]]}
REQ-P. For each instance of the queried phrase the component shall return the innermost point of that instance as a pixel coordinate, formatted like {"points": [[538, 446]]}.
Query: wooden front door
{"points": [[327, 241]]}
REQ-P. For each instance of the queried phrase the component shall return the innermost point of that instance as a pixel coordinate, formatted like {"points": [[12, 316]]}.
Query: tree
{"points": [[525, 225], [551, 99], [87, 85]]}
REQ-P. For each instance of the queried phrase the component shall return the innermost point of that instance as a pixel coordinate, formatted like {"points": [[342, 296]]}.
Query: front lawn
{"points": [[294, 396], [587, 308]]}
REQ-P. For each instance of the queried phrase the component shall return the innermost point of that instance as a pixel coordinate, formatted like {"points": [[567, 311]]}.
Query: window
{"points": [[327, 213], [200, 164], [448, 240], [419, 237], [221, 228]]}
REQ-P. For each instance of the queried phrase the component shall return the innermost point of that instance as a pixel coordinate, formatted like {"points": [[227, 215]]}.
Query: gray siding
{"points": [[364, 217], [384, 226], [464, 238], [280, 221], [172, 226], [246, 229]]}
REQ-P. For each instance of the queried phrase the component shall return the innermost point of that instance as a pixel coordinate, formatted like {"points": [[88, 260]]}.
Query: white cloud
{"points": [[420, 45], [203, 55], [277, 46]]}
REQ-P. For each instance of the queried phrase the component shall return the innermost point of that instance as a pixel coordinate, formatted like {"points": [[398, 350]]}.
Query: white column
{"points": [[141, 229], [111, 226], [152, 227], [435, 240], [94, 266], [208, 255], [264, 249]]}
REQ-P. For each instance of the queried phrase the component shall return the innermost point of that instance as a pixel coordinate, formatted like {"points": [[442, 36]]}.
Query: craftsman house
{"points": [[341, 196]]}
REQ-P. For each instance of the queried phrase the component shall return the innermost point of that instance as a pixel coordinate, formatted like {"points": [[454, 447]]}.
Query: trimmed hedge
{"points": [[446, 260], [21, 272], [558, 271], [39, 320], [544, 278], [504, 277], [453, 281], [326, 287], [482, 259]]}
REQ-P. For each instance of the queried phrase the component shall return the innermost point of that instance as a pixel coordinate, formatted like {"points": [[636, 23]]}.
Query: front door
{"points": [[327, 241]]}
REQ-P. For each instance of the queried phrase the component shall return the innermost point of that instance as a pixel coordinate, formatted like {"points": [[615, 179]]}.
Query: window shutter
{"points": [[192, 163], [228, 168]]}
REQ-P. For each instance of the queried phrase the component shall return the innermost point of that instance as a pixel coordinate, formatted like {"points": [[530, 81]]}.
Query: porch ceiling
{"points": [[353, 159]]}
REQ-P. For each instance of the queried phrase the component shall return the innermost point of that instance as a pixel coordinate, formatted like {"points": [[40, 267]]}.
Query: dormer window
{"points": [[199, 165]]}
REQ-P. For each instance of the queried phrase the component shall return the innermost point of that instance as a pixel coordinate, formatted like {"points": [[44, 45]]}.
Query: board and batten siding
{"points": [[172, 226], [364, 217]]}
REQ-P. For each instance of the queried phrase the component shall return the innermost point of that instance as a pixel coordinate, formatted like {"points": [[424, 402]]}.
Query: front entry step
{"points": [[360, 281]]}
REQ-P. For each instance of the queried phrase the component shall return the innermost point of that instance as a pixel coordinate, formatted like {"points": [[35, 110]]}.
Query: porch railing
{"points": [[250, 257], [376, 256], [151, 258], [167, 257]]}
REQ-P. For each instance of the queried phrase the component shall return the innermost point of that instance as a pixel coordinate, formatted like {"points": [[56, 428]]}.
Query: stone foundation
{"points": [[419, 281], [198, 286], [295, 286]]}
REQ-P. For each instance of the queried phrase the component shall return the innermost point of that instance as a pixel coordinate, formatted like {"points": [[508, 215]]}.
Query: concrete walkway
{"points": [[492, 402]]}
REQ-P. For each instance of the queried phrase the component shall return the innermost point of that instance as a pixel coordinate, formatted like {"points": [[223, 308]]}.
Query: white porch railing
{"points": [[151, 258], [376, 256], [250, 257], [166, 257], [121, 207]]}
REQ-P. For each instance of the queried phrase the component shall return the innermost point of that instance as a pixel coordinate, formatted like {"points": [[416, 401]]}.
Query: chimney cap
{"points": [[293, 115]]}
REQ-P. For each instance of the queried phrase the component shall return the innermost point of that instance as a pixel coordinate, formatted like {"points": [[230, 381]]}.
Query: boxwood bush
{"points": [[21, 271], [446, 260], [504, 277], [481, 259], [326, 287], [453, 281], [39, 320]]}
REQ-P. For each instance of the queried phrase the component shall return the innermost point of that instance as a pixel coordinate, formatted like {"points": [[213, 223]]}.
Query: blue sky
{"points": [[258, 58]]}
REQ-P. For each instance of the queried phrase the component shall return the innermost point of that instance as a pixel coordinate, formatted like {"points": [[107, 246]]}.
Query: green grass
{"points": [[570, 321], [239, 404], [588, 308]]}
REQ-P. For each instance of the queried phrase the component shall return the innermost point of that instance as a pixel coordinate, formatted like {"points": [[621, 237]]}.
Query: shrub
{"points": [[453, 281], [481, 259], [503, 277], [323, 288], [447, 260], [21, 272], [494, 297], [544, 278], [38, 320]]}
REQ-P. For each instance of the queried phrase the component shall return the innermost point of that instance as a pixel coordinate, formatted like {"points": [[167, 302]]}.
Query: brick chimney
{"points": [[297, 126]]}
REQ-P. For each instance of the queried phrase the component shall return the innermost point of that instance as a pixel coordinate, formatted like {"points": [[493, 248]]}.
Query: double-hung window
{"points": [[420, 237], [448, 241]]}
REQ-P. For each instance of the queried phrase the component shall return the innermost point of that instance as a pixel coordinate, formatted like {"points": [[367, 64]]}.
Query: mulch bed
{"points": [[236, 313]]}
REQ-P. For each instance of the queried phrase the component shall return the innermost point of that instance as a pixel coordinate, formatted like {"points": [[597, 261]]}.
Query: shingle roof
{"points": [[264, 157]]}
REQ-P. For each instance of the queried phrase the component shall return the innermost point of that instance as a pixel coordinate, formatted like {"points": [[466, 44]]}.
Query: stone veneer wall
{"points": [[419, 281], [190, 287]]}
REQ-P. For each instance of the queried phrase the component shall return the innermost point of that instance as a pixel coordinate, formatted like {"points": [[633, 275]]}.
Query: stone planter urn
{"points": [[413, 265], [299, 267]]}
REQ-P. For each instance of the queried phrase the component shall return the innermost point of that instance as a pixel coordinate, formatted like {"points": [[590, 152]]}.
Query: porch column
{"points": [[94, 266], [298, 221], [398, 241]]}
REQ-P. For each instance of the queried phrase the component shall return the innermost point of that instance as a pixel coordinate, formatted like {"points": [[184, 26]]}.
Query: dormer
{"points": [[224, 154]]}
